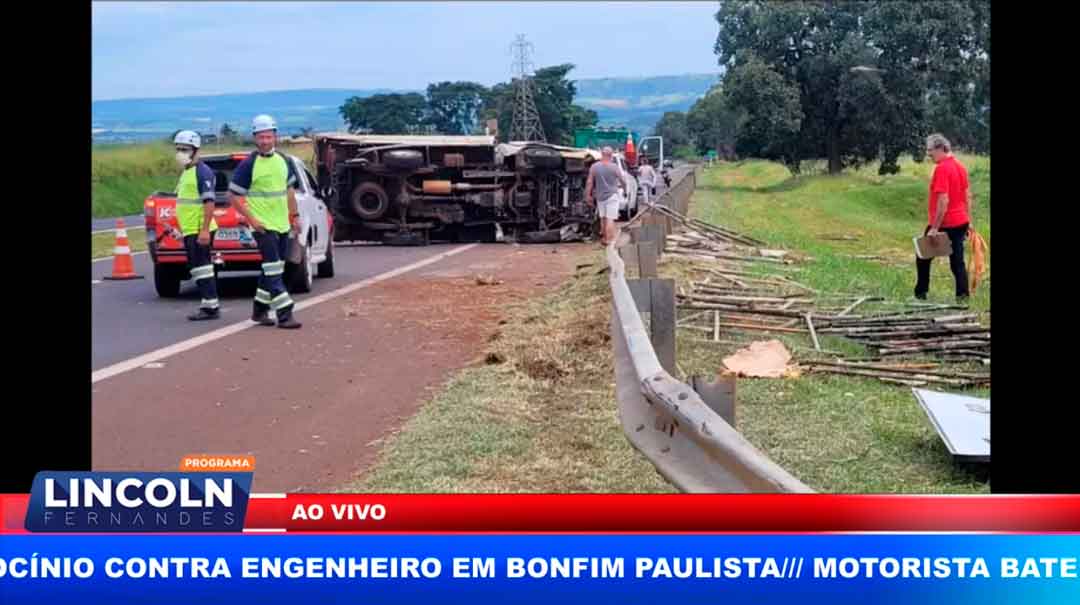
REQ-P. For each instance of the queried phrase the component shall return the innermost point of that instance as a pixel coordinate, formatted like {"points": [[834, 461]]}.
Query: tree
{"points": [[673, 127], [578, 117], [859, 73], [712, 124], [554, 98], [386, 113], [226, 133], [454, 107]]}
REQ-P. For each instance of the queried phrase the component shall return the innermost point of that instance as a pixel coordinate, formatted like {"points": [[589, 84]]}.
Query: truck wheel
{"points": [[403, 160], [369, 201], [326, 268], [167, 281]]}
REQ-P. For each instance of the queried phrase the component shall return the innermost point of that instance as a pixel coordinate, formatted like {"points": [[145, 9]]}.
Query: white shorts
{"points": [[609, 208]]}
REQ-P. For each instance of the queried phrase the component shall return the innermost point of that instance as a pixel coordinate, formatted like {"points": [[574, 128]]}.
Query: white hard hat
{"points": [[188, 137], [261, 123]]}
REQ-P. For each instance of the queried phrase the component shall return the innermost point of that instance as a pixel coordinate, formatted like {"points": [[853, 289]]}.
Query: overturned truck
{"points": [[408, 190]]}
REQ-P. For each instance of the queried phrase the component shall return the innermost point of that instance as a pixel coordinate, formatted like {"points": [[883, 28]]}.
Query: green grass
{"points": [[539, 416], [884, 213], [102, 244], [837, 433], [123, 175]]}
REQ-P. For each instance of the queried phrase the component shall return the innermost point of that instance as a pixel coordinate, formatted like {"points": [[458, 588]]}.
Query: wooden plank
{"points": [[813, 334], [852, 306], [686, 320], [716, 326]]}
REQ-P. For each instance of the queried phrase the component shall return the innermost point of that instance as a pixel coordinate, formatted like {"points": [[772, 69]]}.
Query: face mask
{"points": [[182, 159]]}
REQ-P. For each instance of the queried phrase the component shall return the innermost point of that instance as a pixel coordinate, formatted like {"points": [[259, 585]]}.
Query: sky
{"points": [[167, 49]]}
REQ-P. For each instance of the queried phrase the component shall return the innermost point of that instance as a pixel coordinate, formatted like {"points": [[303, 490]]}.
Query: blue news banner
{"points": [[732, 568]]}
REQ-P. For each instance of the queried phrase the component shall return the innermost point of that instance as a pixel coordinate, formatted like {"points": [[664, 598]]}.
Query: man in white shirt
{"points": [[647, 178]]}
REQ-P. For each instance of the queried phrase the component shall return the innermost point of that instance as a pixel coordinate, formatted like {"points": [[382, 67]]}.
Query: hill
{"points": [[634, 102]]}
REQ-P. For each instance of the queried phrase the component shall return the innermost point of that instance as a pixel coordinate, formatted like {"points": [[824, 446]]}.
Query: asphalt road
{"points": [[129, 318]]}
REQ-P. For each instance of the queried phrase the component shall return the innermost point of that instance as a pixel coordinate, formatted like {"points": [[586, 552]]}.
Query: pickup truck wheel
{"points": [[167, 281], [298, 278], [326, 268]]}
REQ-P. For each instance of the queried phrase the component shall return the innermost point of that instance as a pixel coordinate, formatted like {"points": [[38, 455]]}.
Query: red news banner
{"points": [[623, 513], [376, 513], [662, 513]]}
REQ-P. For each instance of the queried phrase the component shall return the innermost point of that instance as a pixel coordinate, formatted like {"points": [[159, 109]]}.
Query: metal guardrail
{"points": [[665, 419]]}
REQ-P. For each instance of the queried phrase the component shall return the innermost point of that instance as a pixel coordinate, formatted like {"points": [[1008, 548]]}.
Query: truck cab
{"points": [[233, 246]]}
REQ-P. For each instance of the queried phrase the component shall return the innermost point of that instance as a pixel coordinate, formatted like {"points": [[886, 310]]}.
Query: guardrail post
{"points": [[718, 394], [641, 257], [649, 232], [657, 298]]}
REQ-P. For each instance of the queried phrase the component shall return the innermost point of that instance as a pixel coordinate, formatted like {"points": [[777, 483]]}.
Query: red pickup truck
{"points": [[234, 248]]}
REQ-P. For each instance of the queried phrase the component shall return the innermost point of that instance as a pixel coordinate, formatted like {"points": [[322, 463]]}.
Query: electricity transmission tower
{"points": [[525, 125]]}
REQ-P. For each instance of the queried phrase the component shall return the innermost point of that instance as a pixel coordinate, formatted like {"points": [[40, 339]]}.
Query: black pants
{"points": [[957, 235], [202, 270], [271, 292]]}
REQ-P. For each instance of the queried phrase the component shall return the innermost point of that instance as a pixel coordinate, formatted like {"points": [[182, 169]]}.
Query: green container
{"points": [[595, 138]]}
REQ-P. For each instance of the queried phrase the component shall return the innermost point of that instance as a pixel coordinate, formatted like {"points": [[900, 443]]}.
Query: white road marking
{"points": [[191, 343]]}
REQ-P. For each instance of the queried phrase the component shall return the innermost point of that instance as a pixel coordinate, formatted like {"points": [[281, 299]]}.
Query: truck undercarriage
{"points": [[411, 189]]}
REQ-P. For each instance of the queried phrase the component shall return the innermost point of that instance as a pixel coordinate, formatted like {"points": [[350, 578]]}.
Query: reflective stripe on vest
{"points": [[189, 207], [267, 196]]}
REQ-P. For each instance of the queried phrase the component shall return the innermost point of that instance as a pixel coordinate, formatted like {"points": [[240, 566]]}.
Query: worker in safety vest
{"points": [[263, 192], [195, 217]]}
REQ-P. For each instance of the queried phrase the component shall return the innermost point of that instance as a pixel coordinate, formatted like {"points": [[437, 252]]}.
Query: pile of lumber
{"points": [[742, 290]]}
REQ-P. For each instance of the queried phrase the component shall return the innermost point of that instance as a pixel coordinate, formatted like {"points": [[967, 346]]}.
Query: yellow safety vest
{"points": [[189, 205], [268, 196]]}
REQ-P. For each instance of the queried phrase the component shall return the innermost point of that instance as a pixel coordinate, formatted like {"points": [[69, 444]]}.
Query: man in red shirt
{"points": [[949, 211]]}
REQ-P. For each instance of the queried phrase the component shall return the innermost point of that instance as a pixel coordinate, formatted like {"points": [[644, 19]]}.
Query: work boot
{"points": [[289, 324], [204, 314], [262, 318]]}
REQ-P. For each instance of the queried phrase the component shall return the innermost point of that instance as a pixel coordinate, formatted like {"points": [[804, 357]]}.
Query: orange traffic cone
{"points": [[123, 266]]}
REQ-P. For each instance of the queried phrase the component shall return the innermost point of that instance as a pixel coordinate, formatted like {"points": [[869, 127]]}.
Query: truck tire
{"points": [[369, 201], [167, 280], [298, 277], [403, 160], [326, 268]]}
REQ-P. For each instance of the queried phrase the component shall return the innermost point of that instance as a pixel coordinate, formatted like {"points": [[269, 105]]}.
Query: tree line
{"points": [[849, 81], [463, 108]]}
